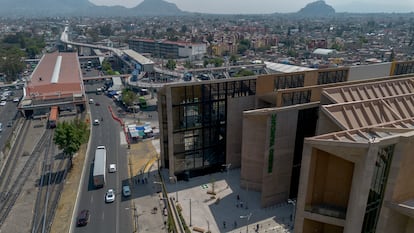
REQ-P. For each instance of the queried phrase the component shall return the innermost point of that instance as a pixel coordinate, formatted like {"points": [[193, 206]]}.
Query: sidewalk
{"points": [[229, 210]]}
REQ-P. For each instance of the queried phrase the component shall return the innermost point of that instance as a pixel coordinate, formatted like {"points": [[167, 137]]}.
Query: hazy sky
{"points": [[271, 6]]}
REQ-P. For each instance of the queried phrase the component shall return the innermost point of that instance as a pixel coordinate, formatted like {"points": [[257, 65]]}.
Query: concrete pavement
{"points": [[229, 210]]}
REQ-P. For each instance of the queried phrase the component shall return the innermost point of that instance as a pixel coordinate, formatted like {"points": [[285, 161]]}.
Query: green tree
{"points": [[243, 46], [129, 97], [69, 136], [171, 64], [233, 59], [106, 29], [11, 63], [244, 72]]}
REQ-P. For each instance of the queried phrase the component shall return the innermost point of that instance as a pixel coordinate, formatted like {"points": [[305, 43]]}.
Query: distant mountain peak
{"points": [[317, 8], [157, 7]]}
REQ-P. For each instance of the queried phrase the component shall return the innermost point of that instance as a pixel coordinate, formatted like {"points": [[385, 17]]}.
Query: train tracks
{"points": [[50, 186], [19, 168]]}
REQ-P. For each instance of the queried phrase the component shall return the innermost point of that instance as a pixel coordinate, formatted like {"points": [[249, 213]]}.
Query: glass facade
{"points": [[298, 97], [290, 81], [404, 68], [332, 76], [199, 124], [377, 190]]}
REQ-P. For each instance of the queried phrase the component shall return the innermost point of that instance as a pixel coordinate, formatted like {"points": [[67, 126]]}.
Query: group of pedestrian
{"points": [[143, 180], [239, 202]]}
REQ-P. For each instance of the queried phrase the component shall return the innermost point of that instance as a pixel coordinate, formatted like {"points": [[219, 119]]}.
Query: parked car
{"points": [[83, 218], [110, 196], [126, 191], [2, 103]]}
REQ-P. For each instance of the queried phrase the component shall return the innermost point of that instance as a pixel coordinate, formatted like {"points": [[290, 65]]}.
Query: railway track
{"points": [[50, 187], [11, 163], [8, 200]]}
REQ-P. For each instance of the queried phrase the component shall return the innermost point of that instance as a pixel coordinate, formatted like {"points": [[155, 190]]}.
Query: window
{"points": [[332, 76], [377, 190]]}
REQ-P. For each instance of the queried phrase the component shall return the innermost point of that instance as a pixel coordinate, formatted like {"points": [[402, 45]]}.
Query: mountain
{"points": [[318, 8], [157, 7], [41, 8]]}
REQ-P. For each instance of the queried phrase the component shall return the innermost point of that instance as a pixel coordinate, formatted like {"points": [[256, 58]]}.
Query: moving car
{"points": [[83, 218], [110, 196], [126, 191], [91, 101], [112, 167], [2, 103], [96, 122], [16, 99]]}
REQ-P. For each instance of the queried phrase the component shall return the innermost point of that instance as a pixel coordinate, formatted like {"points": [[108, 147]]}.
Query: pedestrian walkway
{"points": [[232, 209]]}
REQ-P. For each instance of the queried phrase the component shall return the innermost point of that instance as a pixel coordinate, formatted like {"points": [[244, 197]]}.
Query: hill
{"points": [[42, 8], [318, 8]]}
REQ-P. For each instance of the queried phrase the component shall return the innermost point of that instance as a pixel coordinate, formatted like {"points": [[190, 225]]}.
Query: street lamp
{"points": [[176, 188], [227, 172], [293, 202], [247, 217]]}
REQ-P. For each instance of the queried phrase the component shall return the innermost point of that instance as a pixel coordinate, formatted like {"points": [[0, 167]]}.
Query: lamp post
{"points": [[190, 213], [227, 172], [176, 188], [247, 217], [293, 202]]}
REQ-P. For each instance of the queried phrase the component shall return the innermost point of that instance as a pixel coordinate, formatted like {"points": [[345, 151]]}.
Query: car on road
{"points": [[97, 104], [112, 168], [91, 101], [83, 218], [9, 123], [126, 191], [110, 196], [16, 99], [96, 122], [2, 103]]}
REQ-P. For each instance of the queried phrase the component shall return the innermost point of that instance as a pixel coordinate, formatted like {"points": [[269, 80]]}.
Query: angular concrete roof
{"points": [[360, 114], [369, 134], [374, 90]]}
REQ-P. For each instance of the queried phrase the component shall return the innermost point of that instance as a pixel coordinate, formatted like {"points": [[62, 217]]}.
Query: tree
{"points": [[11, 62], [244, 72], [171, 64], [106, 29], [129, 97], [69, 136]]}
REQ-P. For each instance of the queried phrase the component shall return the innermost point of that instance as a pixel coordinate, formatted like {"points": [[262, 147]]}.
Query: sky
{"points": [[272, 6]]}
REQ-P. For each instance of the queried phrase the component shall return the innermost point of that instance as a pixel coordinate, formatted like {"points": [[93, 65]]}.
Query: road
{"points": [[7, 113], [113, 217]]}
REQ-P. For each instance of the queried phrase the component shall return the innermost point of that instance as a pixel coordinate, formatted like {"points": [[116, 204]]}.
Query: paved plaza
{"points": [[233, 210]]}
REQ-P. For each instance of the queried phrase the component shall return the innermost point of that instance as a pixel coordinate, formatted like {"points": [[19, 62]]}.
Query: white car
{"points": [[126, 191], [96, 122], [16, 99], [112, 167], [2, 103], [110, 196]]}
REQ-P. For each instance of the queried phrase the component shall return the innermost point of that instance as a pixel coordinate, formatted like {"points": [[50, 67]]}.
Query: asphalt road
{"points": [[7, 113], [113, 217]]}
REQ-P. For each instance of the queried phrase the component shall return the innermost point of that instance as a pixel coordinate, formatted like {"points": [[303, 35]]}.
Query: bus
{"points": [[53, 117], [99, 167]]}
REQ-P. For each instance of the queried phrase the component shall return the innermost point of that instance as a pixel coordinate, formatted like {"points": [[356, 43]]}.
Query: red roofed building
{"points": [[56, 81]]}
